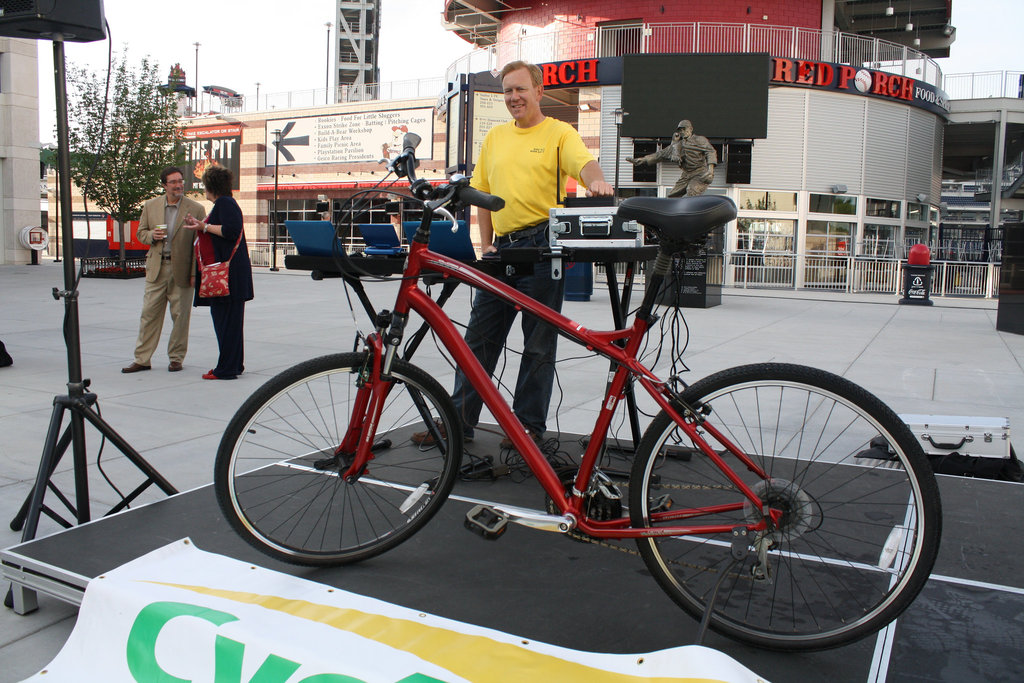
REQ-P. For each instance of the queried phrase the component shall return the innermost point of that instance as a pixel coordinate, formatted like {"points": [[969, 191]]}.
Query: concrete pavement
{"points": [[947, 359]]}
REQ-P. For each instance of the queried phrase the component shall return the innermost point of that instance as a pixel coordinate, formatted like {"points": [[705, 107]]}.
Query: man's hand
{"points": [[600, 188]]}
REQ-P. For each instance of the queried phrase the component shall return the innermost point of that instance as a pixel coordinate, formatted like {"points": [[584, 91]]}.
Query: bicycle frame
{"points": [[605, 343]]}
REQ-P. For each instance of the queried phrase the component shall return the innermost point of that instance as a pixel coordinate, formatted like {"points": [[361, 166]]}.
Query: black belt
{"points": [[523, 233]]}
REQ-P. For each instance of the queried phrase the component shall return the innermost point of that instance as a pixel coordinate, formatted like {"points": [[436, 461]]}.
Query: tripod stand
{"points": [[78, 402]]}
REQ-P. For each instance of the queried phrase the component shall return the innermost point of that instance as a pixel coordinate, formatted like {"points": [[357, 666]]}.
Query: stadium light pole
{"points": [[198, 103], [327, 83], [273, 221]]}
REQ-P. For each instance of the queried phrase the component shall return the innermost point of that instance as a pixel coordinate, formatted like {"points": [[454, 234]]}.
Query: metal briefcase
{"points": [[982, 437]]}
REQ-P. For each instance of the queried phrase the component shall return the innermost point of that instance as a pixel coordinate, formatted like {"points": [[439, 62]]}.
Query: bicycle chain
{"points": [[581, 537]]}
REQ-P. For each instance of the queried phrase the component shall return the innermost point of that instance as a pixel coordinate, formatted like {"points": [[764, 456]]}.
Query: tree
{"points": [[118, 150]]}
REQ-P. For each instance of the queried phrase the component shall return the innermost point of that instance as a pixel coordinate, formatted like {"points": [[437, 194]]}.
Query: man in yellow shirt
{"points": [[525, 162]]}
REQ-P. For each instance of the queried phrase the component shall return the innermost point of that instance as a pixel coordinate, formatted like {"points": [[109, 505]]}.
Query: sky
{"points": [[283, 45]]}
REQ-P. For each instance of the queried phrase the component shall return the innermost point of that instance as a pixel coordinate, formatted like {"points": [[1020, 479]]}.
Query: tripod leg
{"points": [[62, 446], [123, 446], [47, 464]]}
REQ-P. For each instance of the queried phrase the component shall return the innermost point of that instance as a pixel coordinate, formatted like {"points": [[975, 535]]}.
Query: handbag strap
{"points": [[199, 251]]}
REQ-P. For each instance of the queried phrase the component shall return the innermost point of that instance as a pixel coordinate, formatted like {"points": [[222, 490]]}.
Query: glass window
{"points": [[879, 240], [292, 210], [882, 208], [911, 236], [828, 237], [917, 212], [833, 203], [754, 200], [763, 234]]}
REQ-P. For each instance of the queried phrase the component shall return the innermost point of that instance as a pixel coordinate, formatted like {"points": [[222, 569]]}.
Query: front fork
{"points": [[374, 384]]}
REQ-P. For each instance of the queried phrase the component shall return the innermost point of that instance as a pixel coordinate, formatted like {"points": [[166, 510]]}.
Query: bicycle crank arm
{"points": [[490, 520]]}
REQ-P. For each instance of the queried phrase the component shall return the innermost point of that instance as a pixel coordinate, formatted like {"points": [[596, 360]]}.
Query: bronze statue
{"points": [[695, 156]]}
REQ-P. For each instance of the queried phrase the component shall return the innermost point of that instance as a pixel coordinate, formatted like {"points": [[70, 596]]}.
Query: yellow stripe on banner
{"points": [[474, 658]]}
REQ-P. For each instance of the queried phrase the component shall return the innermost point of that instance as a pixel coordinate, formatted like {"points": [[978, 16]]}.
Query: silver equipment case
{"points": [[983, 437], [597, 227]]}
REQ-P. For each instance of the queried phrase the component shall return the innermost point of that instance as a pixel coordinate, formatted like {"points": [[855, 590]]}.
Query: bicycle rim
{"points": [[274, 485], [858, 535]]}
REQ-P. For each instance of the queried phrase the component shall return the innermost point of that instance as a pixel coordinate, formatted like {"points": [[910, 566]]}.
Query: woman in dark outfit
{"points": [[216, 239]]}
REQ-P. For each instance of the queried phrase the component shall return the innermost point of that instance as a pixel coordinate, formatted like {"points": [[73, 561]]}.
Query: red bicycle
{"points": [[786, 506]]}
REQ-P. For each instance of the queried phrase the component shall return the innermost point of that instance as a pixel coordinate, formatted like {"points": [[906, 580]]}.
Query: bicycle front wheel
{"points": [[860, 514], [277, 477]]}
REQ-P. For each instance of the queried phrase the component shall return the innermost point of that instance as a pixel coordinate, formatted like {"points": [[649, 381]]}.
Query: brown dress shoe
{"points": [[425, 438], [507, 442], [174, 366], [135, 367]]}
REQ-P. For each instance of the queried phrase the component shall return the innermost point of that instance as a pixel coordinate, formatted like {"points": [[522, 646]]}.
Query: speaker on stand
{"points": [[60, 21]]}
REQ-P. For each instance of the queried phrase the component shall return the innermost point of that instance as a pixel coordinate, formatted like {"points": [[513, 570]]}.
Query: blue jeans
{"points": [[489, 324]]}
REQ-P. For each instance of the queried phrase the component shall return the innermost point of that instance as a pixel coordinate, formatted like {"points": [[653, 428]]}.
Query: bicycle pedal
{"points": [[485, 522]]}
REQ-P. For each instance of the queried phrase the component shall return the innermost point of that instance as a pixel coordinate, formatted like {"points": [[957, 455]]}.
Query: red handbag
{"points": [[213, 277]]}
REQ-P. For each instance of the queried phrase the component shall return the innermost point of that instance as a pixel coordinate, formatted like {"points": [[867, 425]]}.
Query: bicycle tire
{"points": [[276, 499], [858, 537]]}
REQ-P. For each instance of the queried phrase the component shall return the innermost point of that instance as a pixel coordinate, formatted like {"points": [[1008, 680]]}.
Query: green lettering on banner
{"points": [[228, 654], [141, 647], [228, 662]]}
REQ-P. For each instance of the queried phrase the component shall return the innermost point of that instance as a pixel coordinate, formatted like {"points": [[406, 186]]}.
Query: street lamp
{"points": [[327, 84], [197, 103], [618, 114], [257, 95], [273, 221]]}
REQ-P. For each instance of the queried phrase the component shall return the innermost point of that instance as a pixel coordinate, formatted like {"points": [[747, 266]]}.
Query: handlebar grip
{"points": [[491, 202], [410, 141]]}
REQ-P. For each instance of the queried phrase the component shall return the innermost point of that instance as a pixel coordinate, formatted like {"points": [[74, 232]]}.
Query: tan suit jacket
{"points": [[183, 259]]}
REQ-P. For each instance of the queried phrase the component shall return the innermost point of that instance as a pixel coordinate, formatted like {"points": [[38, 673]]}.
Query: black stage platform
{"points": [[965, 625]]}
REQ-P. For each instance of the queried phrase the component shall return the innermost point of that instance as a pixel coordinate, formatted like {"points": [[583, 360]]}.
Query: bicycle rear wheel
{"points": [[273, 484], [858, 534]]}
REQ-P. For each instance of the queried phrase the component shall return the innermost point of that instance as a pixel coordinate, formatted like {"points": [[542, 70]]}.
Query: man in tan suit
{"points": [[170, 269]]}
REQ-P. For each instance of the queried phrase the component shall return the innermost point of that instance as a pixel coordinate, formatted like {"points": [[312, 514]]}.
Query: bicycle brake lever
{"points": [[448, 215]]}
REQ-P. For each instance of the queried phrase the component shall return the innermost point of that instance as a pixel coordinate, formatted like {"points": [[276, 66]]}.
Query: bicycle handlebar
{"points": [[471, 195], [457, 189]]}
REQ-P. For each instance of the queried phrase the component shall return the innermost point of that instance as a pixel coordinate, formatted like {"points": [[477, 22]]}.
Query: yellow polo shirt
{"points": [[519, 165]]}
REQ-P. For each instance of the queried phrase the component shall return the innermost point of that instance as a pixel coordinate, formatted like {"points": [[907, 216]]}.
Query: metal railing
{"points": [[984, 84], [260, 253], [853, 274], [655, 38], [708, 37], [761, 270]]}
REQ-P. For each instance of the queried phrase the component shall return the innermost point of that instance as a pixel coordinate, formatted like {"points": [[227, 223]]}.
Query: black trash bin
{"points": [[579, 281], [917, 277]]}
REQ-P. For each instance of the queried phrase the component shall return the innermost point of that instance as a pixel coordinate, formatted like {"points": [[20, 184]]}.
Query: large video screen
{"points": [[723, 95]]}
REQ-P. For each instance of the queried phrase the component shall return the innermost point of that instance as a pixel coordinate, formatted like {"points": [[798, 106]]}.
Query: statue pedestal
{"points": [[687, 286]]}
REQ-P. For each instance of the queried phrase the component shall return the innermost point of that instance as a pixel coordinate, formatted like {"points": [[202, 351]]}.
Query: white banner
{"points": [[181, 614], [349, 138]]}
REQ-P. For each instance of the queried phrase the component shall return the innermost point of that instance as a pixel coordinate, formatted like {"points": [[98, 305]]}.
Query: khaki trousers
{"points": [[155, 300]]}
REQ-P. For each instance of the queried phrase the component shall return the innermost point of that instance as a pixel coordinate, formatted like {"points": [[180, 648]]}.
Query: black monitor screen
{"points": [[723, 95]]}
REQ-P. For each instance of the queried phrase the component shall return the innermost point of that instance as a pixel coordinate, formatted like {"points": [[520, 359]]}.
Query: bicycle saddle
{"points": [[679, 219]]}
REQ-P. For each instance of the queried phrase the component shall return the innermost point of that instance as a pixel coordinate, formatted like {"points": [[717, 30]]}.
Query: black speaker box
{"points": [[79, 21], [738, 160]]}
